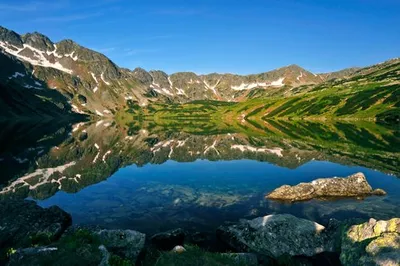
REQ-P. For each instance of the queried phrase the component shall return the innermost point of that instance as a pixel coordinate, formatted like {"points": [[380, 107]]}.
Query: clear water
{"points": [[152, 181], [202, 195]]}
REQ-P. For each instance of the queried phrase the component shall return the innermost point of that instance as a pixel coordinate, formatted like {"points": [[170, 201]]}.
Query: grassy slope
{"points": [[370, 95]]}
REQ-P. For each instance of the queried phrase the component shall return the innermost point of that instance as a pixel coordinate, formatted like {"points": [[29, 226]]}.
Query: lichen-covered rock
{"points": [[279, 235], [372, 243], [125, 243], [352, 186]]}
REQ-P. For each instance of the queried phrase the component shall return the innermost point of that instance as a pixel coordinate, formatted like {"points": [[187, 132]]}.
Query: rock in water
{"points": [[168, 240], [25, 224], [125, 243], [278, 235], [372, 243], [352, 186]]}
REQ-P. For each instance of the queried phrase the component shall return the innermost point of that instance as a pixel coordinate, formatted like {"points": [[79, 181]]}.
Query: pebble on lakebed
{"points": [[336, 187]]}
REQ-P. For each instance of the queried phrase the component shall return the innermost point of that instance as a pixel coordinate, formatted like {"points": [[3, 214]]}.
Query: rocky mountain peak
{"points": [[10, 37], [142, 75], [38, 41]]}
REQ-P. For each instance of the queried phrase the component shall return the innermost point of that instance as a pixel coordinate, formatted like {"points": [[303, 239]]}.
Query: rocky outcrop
{"points": [[23, 224], [124, 243], [372, 243], [279, 235], [352, 186], [168, 240]]}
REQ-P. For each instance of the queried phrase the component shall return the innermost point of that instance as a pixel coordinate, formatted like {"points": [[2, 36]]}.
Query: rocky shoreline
{"points": [[31, 235]]}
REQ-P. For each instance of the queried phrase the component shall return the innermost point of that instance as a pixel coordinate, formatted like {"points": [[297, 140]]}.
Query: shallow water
{"points": [[155, 180], [202, 195]]}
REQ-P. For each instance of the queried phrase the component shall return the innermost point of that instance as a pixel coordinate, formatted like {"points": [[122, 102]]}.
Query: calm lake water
{"points": [[155, 179]]}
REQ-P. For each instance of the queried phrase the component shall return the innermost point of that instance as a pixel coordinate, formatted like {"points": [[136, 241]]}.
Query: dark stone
{"points": [[82, 99], [83, 136], [124, 243], [23, 224], [280, 235], [168, 240]]}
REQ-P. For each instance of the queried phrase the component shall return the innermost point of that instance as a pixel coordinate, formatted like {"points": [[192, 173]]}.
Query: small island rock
{"points": [[352, 186]]}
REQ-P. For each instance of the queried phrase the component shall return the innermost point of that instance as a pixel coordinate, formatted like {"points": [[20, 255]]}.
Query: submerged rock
{"points": [[372, 243], [168, 240], [352, 186], [279, 235]]}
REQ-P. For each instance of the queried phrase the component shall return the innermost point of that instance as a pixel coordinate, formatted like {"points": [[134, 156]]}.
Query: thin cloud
{"points": [[32, 6], [67, 18], [130, 52]]}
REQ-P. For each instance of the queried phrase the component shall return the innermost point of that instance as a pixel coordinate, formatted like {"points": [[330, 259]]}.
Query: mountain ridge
{"points": [[94, 85]]}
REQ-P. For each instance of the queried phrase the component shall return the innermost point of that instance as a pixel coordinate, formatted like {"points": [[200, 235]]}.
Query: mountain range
{"points": [[40, 77]]}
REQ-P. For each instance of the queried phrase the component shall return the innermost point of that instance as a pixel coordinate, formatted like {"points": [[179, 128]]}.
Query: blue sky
{"points": [[219, 35]]}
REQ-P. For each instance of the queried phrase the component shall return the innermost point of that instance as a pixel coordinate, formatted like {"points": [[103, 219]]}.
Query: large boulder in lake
{"points": [[280, 235], [372, 243], [25, 224], [336, 187]]}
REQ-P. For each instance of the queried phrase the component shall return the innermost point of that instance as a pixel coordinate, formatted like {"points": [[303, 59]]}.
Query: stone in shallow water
{"points": [[372, 243], [279, 235], [352, 186]]}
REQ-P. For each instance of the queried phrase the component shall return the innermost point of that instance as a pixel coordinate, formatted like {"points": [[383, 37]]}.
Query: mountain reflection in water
{"points": [[153, 178]]}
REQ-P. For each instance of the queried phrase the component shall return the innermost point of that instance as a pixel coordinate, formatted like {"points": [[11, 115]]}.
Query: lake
{"points": [[155, 178]]}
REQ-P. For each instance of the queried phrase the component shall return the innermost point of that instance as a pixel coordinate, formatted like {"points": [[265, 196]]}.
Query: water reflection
{"points": [[173, 177]]}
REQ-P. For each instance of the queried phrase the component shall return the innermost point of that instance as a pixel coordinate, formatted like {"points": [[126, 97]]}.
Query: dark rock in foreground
{"points": [[85, 246], [23, 224], [372, 243], [124, 243], [168, 240], [352, 186], [280, 235]]}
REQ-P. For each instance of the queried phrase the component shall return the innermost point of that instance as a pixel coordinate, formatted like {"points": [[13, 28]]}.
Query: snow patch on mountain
{"points": [[278, 83], [276, 151], [102, 78], [212, 88], [94, 77], [249, 86], [40, 58]]}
